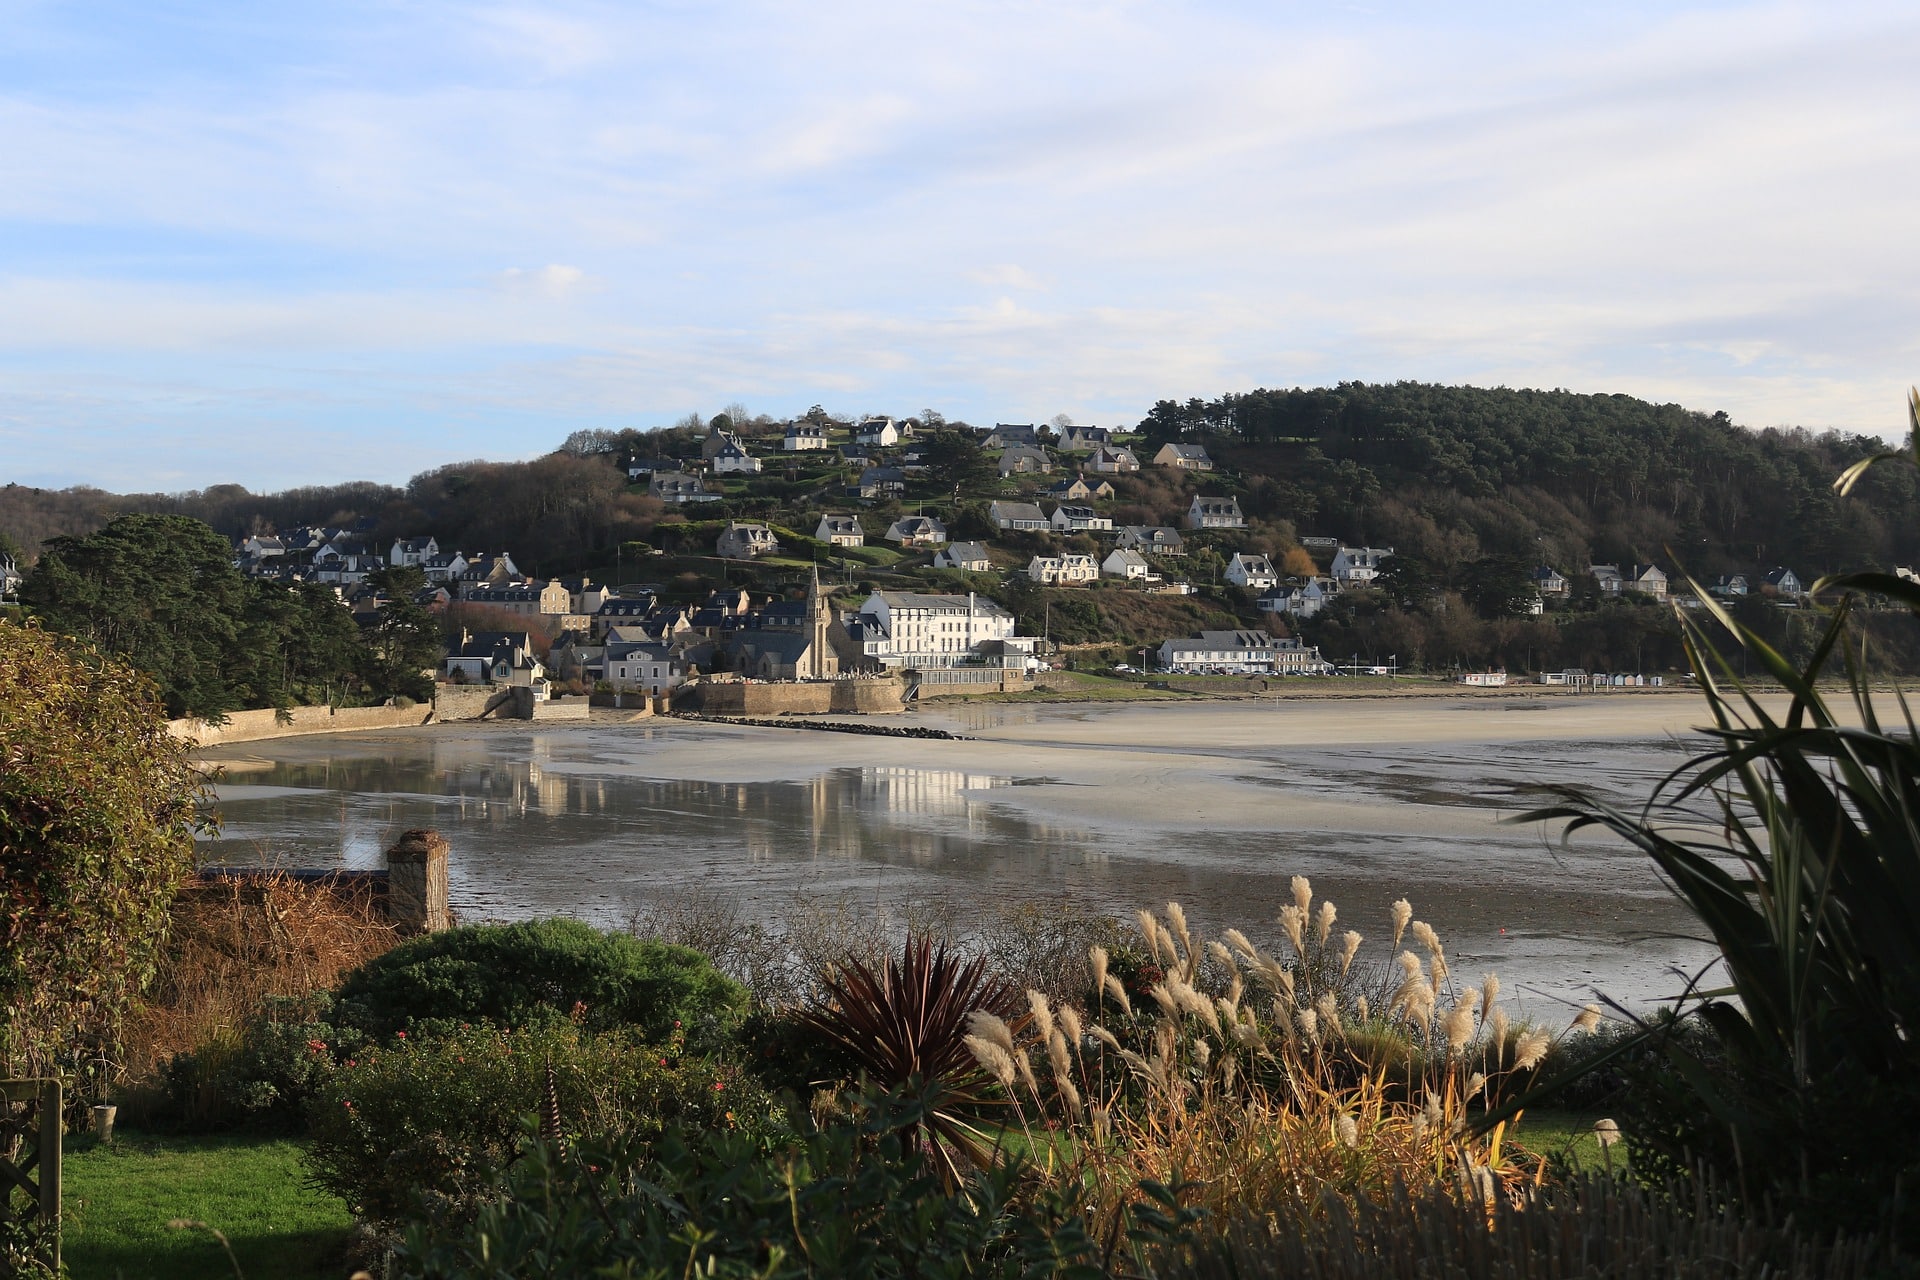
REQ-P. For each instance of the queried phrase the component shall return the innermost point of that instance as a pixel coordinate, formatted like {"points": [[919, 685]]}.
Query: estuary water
{"points": [[1112, 806]]}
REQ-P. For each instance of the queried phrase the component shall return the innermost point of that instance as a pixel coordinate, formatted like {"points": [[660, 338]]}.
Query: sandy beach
{"points": [[1114, 806]]}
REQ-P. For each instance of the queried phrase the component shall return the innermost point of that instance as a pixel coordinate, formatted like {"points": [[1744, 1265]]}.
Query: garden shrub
{"points": [[264, 1076], [853, 1199], [417, 1127], [542, 972], [99, 805]]}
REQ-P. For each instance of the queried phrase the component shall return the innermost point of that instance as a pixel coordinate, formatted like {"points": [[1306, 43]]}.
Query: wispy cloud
{"points": [[398, 222]]}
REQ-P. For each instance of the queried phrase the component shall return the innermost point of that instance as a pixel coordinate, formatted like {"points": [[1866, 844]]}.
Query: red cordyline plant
{"points": [[906, 1025]]}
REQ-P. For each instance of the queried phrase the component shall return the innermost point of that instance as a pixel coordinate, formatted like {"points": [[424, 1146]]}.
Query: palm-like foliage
{"points": [[1795, 842], [905, 1026]]}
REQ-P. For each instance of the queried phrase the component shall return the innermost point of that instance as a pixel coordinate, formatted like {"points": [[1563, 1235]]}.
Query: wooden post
{"points": [[417, 882], [37, 1171]]}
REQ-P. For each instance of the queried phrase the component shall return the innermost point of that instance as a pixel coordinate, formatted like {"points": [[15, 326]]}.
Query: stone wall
{"points": [[469, 701], [807, 698], [940, 682], [254, 726]]}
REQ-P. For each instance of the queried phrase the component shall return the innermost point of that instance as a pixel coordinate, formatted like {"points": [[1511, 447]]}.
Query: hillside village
{"points": [[877, 546]]}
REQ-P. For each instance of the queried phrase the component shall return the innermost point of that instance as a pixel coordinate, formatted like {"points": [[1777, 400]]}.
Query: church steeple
{"points": [[821, 662]]}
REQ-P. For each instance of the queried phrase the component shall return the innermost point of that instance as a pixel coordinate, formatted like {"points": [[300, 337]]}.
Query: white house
{"points": [[1017, 515], [877, 431], [1484, 679], [1241, 651], [1215, 513], [412, 553], [1129, 566], [840, 531], [802, 436], [1302, 601], [917, 531], [733, 458], [1063, 570], [970, 556], [1113, 460], [1785, 581], [1642, 579], [745, 541], [496, 657], [1186, 457], [1357, 566], [1549, 581], [1067, 519], [913, 629], [635, 663], [1254, 572]]}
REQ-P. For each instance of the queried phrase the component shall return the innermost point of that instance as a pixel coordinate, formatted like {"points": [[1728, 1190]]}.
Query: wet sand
{"points": [[1112, 805]]}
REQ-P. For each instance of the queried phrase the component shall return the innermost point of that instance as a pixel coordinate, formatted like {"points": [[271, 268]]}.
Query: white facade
{"points": [[841, 531], [1017, 515], [969, 556], [802, 436], [1063, 570], [1071, 519], [914, 629], [1357, 566], [1235, 652], [736, 461], [1129, 566], [917, 531], [878, 431], [1253, 572]]}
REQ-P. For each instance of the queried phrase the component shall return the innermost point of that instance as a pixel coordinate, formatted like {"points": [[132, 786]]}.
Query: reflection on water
{"points": [[578, 821]]}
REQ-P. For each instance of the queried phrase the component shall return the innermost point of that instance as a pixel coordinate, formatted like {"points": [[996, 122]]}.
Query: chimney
{"points": [[417, 883]]}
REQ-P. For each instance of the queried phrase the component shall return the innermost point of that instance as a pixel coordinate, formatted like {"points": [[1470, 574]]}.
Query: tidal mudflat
{"points": [[1113, 806]]}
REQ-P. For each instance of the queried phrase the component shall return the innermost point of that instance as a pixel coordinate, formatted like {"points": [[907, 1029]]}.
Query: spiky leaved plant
{"points": [[905, 1025], [1795, 842]]}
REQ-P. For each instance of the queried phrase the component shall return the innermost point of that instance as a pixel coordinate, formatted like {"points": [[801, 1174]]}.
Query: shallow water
{"points": [[1113, 809]]}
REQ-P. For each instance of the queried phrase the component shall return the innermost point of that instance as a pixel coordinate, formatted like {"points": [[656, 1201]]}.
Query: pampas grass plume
{"points": [[1323, 922], [1302, 894], [1350, 947], [990, 1028], [1588, 1019], [1042, 1015], [1402, 912]]}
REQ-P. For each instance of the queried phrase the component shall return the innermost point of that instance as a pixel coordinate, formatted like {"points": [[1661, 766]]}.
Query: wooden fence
{"points": [[30, 1130]]}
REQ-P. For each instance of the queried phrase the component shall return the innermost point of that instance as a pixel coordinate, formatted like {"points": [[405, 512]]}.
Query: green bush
{"points": [[426, 1128], [855, 1199], [542, 972], [264, 1076]]}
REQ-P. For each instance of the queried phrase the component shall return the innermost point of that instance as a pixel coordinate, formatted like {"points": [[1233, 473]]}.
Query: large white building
{"points": [[914, 629], [1241, 651]]}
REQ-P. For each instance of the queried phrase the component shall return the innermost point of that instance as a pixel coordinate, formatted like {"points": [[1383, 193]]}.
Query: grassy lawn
{"points": [[119, 1199], [1569, 1136]]}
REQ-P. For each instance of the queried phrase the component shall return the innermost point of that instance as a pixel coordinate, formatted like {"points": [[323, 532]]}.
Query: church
{"points": [[803, 643]]}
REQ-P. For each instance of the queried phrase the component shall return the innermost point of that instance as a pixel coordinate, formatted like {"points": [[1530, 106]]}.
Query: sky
{"points": [[294, 244]]}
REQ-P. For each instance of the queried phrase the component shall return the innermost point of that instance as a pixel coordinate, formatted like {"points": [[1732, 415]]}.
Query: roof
{"points": [[1075, 513], [965, 551], [1206, 503], [942, 603], [1017, 511], [1192, 452], [840, 523], [1129, 556]]}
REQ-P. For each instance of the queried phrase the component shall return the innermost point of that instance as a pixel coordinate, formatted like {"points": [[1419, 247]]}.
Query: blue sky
{"points": [[284, 244]]}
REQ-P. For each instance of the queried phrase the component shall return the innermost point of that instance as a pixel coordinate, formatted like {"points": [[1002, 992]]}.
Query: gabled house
{"points": [[1301, 601], [1357, 566], [678, 486], [1113, 460], [1153, 540], [733, 459], [746, 541], [1078, 439], [10, 577], [1072, 519], [1785, 581], [639, 469], [1129, 566], [1215, 513], [719, 441], [1017, 515], [1549, 581], [881, 482], [1186, 457], [1063, 570], [496, 657], [1022, 460], [802, 436], [412, 553], [1070, 489], [1728, 586], [969, 556], [585, 596], [840, 531], [855, 455], [1005, 435], [485, 570], [1641, 579], [877, 431], [917, 531], [448, 566], [1254, 572]]}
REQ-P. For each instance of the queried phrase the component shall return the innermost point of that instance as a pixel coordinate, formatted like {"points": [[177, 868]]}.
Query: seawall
{"points": [[252, 726]]}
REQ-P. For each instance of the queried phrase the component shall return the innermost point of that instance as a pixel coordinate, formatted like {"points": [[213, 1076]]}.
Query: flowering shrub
{"points": [[418, 1127]]}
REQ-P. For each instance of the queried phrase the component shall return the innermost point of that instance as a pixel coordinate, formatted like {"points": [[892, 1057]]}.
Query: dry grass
{"points": [[1269, 1088], [233, 944]]}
